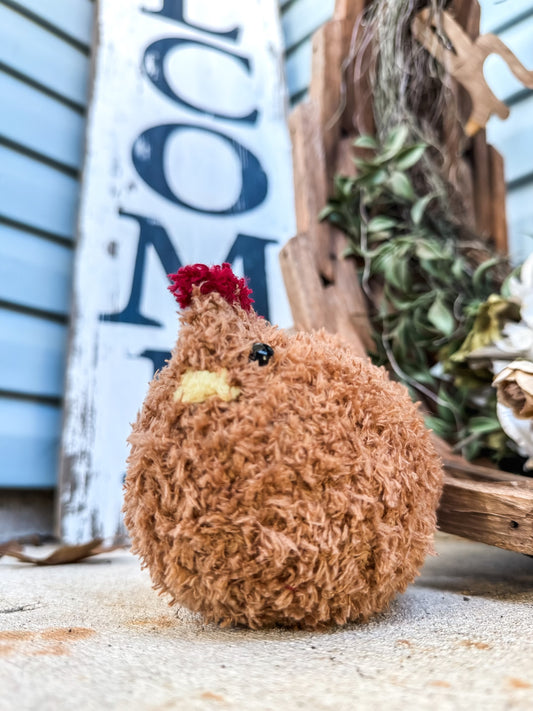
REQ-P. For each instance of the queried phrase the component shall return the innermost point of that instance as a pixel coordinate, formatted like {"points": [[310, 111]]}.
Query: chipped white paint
{"points": [[187, 135]]}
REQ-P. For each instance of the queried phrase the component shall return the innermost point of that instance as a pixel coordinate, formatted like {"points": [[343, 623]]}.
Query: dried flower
{"points": [[514, 387]]}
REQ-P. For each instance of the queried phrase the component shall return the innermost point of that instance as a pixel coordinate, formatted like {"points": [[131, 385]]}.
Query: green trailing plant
{"points": [[424, 291]]}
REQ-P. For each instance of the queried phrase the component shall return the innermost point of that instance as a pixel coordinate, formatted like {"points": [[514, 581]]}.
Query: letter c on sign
{"points": [[148, 154], [154, 66]]}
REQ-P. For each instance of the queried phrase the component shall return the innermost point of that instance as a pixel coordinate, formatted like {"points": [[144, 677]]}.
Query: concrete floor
{"points": [[94, 636]]}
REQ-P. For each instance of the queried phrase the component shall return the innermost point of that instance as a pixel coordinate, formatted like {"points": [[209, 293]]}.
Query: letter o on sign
{"points": [[148, 159]]}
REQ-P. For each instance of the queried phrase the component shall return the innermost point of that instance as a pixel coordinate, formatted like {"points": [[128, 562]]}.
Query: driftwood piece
{"points": [[497, 510], [467, 13], [498, 194], [356, 101], [325, 88], [465, 63], [482, 185], [338, 306], [480, 503], [311, 189]]}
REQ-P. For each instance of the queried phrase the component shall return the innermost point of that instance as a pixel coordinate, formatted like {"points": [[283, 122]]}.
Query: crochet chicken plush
{"points": [[275, 478]]}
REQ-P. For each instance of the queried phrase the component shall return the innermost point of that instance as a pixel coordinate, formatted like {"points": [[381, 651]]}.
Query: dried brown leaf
{"points": [[62, 555]]}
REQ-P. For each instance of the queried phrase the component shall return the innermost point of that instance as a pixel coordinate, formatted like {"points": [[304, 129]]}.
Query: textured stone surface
{"points": [[460, 638]]}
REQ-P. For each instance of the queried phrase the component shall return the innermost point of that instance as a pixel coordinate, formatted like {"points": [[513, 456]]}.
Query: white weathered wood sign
{"points": [[188, 160]]}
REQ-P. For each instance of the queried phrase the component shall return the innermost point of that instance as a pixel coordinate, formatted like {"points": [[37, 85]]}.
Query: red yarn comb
{"points": [[219, 278]]}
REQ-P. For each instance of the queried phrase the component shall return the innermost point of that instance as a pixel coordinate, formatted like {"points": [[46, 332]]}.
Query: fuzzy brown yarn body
{"points": [[308, 500]]}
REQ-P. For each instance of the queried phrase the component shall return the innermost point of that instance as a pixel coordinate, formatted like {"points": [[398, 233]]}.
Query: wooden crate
{"points": [[479, 503]]}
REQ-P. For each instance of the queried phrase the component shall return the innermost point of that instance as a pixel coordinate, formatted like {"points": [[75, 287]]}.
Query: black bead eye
{"points": [[261, 352]]}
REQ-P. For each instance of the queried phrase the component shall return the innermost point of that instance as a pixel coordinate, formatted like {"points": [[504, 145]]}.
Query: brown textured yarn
{"points": [[307, 501]]}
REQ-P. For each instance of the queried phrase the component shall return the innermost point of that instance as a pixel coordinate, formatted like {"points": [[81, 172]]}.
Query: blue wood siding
{"points": [[44, 71], [512, 20], [299, 20]]}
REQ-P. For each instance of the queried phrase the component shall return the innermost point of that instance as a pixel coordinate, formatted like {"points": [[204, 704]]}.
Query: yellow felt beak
{"points": [[198, 385]]}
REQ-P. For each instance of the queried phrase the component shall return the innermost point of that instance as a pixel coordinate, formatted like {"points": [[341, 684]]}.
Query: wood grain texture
{"points": [[336, 307], [499, 513], [310, 182], [468, 14], [302, 283], [29, 442], [48, 60], [41, 123], [325, 88], [497, 204], [34, 272], [479, 503], [482, 185], [356, 95], [37, 195]]}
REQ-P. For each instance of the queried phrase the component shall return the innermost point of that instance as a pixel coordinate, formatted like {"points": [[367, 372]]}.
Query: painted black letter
{"points": [[148, 159], [154, 66]]}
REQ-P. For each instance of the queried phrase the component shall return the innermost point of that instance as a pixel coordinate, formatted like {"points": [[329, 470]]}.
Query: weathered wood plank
{"points": [[34, 272], [43, 57], [41, 123], [29, 442], [74, 21], [325, 88], [351, 315], [497, 513], [482, 184], [357, 96], [310, 183], [468, 14], [498, 194], [36, 195], [304, 289], [337, 306], [32, 354]]}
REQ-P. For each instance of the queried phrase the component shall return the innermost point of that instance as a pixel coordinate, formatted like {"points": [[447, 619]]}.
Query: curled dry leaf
{"points": [[62, 555]]}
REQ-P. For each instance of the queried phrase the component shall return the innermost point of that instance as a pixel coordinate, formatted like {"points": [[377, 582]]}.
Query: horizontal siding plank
{"points": [[512, 138], [39, 122], [520, 221], [46, 59], [36, 195], [298, 69], [32, 354], [74, 21], [29, 443], [499, 77], [500, 13], [34, 272], [304, 17]]}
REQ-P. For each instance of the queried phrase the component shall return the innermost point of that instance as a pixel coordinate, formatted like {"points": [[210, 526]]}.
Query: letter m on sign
{"points": [[152, 234]]}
